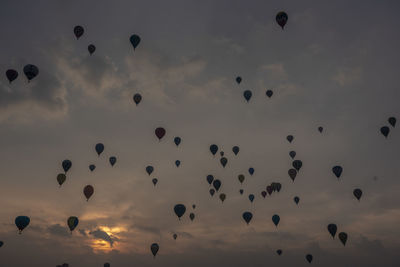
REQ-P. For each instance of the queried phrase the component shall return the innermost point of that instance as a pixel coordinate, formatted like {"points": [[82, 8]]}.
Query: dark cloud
{"points": [[99, 234]]}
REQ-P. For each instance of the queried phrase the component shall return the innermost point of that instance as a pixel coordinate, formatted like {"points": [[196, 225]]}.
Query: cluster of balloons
{"points": [[332, 229], [30, 71], [385, 130], [78, 31]]}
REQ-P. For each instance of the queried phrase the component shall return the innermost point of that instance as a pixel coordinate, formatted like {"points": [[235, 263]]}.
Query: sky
{"points": [[334, 65]]}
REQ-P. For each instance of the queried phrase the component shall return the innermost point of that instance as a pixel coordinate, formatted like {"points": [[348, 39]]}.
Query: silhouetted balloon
{"points": [[193, 206], [217, 184], [175, 236], [222, 197], [61, 178], [160, 132], [210, 179], [222, 153], [251, 171], [238, 80], [391, 120], [251, 198], [177, 163], [179, 209], [247, 95], [289, 138], [297, 164], [92, 167], [1, 243], [137, 98], [11, 75], [320, 129], [241, 178], [357, 193], [292, 174], [223, 161], [385, 131], [269, 189], [213, 149], [154, 249], [91, 48], [212, 191], [279, 252], [99, 148], [155, 181], [88, 191], [149, 169], [343, 238], [135, 40], [78, 31], [107, 264], [72, 223], [247, 216], [31, 71], [264, 194], [281, 19], [177, 140], [235, 150], [112, 160], [332, 229], [276, 219], [66, 165], [241, 191], [22, 222], [309, 258], [269, 93], [191, 216], [292, 154], [296, 200], [278, 187], [337, 170]]}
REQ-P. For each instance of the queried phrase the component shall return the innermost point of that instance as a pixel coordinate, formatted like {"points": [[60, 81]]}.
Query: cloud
{"points": [[57, 229], [348, 76], [99, 234]]}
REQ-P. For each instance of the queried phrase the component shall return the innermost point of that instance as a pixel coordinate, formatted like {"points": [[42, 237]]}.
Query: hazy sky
{"points": [[335, 65]]}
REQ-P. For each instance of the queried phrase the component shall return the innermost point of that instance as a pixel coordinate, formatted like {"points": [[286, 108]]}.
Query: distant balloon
{"points": [[391, 120], [279, 252], [251, 198], [264, 194], [320, 129], [223, 161], [11, 75], [31, 71], [297, 164], [107, 264], [217, 184], [72, 223], [385, 131], [269, 189], [66, 165], [1, 243], [99, 148], [251, 171], [290, 138], [177, 140], [22, 222], [222, 153], [296, 200], [191, 216], [332, 229], [175, 236], [292, 174], [193, 206], [88, 191], [91, 48], [160, 132], [112, 160], [92, 167], [281, 19], [155, 181], [238, 80], [241, 191], [276, 219], [247, 95], [278, 187], [149, 169], [135, 40], [154, 249], [137, 98], [357, 193], [269, 93], [179, 209], [241, 178], [177, 163], [337, 170], [292, 154], [235, 150], [222, 197], [210, 179], [309, 258], [247, 216], [78, 31], [213, 149], [212, 191], [61, 178], [343, 238]]}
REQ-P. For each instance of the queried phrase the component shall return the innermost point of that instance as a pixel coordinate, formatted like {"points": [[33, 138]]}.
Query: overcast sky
{"points": [[336, 65]]}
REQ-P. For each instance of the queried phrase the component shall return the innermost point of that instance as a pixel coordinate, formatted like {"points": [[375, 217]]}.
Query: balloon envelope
{"points": [[66, 165], [289, 138], [357, 193], [222, 197], [251, 198], [213, 149], [320, 129], [31, 71], [137, 98], [385, 131], [391, 120], [223, 161], [309, 258], [269, 93], [247, 95], [217, 184], [112, 160], [160, 132], [154, 249], [149, 169], [135, 40], [235, 150], [337, 170], [154, 181], [296, 200], [276, 219], [78, 31], [238, 79], [251, 171], [297, 164], [210, 179], [22, 222], [191, 216], [241, 178], [91, 49], [92, 167], [88, 191], [99, 148], [11, 75], [212, 191], [247, 216], [279, 252], [72, 223], [177, 140], [61, 178], [179, 210], [332, 229], [177, 163], [343, 238], [292, 174], [292, 154], [281, 19]]}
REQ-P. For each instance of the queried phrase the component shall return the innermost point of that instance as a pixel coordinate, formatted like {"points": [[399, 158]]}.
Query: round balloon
{"points": [[88, 191], [78, 31], [11, 75], [179, 210], [135, 40], [22, 222], [31, 71]]}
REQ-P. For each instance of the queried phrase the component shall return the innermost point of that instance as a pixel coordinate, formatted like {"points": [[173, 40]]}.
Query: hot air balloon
{"points": [[238, 80], [193, 206], [88, 191], [213, 149], [11, 75], [112, 160], [269, 93], [107, 264], [149, 169], [22, 222], [154, 249], [179, 209], [78, 31], [135, 40], [91, 48], [251, 198], [31, 71], [175, 236], [292, 174], [235, 150], [210, 179], [137, 98], [247, 95], [276, 219], [309, 258], [385, 131], [222, 153], [241, 191], [177, 163], [296, 200], [61, 178], [332, 229], [241, 178], [278, 187], [1, 243], [72, 223], [343, 238], [391, 120], [99, 148], [92, 167], [251, 171], [290, 138], [337, 170], [160, 132], [281, 19], [212, 191], [66, 165], [222, 197], [154, 181], [279, 252], [297, 164], [191, 216], [217, 184], [177, 140], [292, 154], [357, 193], [269, 189], [320, 129], [247, 216], [223, 161], [264, 194]]}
